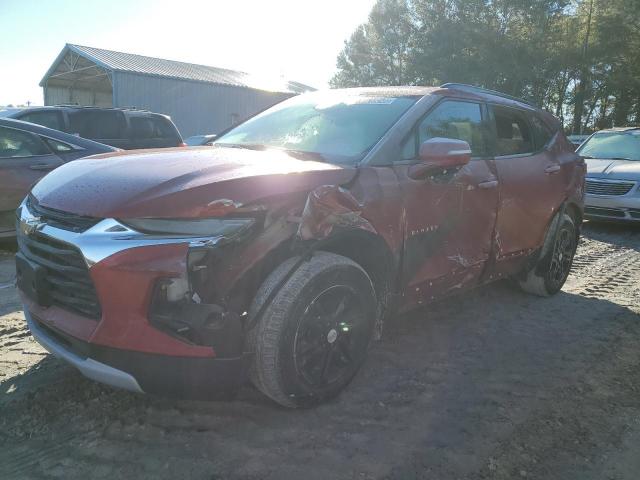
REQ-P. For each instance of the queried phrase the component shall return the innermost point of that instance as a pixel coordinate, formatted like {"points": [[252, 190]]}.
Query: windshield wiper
{"points": [[246, 146], [304, 155], [297, 154], [606, 158]]}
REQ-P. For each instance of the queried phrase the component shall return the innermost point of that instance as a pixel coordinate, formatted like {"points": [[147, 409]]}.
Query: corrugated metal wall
{"points": [[195, 107], [54, 95]]}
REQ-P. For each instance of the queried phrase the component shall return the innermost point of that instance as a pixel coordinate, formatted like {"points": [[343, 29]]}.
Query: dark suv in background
{"points": [[122, 128]]}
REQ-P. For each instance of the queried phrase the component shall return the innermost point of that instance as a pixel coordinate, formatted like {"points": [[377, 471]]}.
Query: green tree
{"points": [[579, 59]]}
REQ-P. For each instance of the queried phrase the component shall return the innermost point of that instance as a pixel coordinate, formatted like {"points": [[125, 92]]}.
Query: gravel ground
{"points": [[494, 384]]}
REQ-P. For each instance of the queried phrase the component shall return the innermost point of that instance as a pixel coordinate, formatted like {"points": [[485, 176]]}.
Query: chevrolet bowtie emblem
{"points": [[30, 225]]}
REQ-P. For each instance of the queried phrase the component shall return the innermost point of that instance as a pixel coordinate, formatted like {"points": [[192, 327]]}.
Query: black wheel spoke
{"points": [[310, 352], [326, 364], [343, 349], [340, 309], [326, 345], [561, 257]]}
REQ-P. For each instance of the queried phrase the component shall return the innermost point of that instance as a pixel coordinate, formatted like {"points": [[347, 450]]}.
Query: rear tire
{"points": [[314, 335], [549, 273]]}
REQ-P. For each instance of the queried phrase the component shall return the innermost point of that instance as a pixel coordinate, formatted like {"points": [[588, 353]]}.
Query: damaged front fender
{"points": [[331, 206]]}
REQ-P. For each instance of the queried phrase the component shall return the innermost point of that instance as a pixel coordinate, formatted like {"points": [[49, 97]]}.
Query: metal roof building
{"points": [[199, 99]]}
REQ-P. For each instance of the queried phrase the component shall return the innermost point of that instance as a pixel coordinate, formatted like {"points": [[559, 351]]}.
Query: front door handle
{"points": [[552, 169], [488, 184], [42, 166]]}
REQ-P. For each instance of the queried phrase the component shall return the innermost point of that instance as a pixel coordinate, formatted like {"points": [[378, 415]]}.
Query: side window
{"points": [[151, 127], [49, 119], [163, 127], [450, 119], [16, 143], [409, 148], [141, 127], [97, 124], [80, 123], [542, 132], [513, 134]]}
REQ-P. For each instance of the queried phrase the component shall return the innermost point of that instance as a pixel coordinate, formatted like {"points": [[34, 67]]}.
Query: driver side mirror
{"points": [[441, 154]]}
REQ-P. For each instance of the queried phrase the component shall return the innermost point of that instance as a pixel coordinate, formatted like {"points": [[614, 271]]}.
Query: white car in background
{"points": [[613, 174]]}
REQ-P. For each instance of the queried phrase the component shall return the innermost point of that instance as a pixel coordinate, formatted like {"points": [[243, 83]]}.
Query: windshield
{"points": [[336, 127], [613, 145]]}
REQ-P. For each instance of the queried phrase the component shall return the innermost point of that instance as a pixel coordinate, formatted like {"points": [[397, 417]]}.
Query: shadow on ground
{"points": [[487, 385]]}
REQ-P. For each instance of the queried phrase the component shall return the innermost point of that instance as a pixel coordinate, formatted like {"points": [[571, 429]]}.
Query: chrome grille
{"points": [[59, 219], [67, 276], [608, 187]]}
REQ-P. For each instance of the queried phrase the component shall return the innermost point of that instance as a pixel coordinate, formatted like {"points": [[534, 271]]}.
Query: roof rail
{"points": [[474, 89]]}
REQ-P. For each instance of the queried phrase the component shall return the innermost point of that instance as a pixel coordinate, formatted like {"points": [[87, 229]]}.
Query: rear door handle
{"points": [[42, 166], [552, 169], [488, 184]]}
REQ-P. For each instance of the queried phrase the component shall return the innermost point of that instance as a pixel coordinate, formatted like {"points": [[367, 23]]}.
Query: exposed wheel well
{"points": [[366, 249], [575, 212], [373, 255]]}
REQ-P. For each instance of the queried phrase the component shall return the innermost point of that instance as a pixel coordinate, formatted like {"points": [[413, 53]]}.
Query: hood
{"points": [[181, 182], [613, 169]]}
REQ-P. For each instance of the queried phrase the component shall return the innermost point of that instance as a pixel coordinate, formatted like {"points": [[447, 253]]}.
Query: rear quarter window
{"points": [[151, 127]]}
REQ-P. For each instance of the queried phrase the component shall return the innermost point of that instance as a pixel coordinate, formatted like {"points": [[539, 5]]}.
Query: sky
{"points": [[296, 39]]}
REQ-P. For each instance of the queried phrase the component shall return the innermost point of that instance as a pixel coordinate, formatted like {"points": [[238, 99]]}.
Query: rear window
{"points": [[513, 134], [97, 124], [50, 119], [151, 127]]}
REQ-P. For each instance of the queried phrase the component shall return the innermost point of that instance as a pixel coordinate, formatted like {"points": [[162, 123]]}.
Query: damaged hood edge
{"points": [[182, 183]]}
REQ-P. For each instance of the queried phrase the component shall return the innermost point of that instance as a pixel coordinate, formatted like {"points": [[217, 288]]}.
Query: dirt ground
{"points": [[495, 384]]}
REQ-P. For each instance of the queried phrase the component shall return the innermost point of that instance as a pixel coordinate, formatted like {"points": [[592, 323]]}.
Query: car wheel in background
{"points": [[548, 274]]}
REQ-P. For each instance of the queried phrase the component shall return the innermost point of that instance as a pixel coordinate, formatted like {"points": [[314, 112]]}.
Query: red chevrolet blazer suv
{"points": [[277, 253]]}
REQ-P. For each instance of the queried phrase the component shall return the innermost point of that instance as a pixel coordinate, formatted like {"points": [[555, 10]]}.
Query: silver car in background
{"points": [[613, 174]]}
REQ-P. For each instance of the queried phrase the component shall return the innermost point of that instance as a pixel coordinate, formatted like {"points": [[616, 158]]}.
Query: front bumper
{"points": [[119, 344], [88, 367], [624, 208], [183, 377]]}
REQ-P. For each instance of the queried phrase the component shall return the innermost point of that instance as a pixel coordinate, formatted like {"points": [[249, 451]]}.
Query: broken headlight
{"points": [[205, 227]]}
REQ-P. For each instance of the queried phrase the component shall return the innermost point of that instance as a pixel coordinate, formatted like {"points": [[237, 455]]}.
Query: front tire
{"points": [[314, 335], [549, 273]]}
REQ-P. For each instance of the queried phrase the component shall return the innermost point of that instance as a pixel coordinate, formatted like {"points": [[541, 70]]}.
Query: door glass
{"points": [[49, 119], [16, 143], [513, 135], [142, 127], [543, 133], [457, 120]]}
